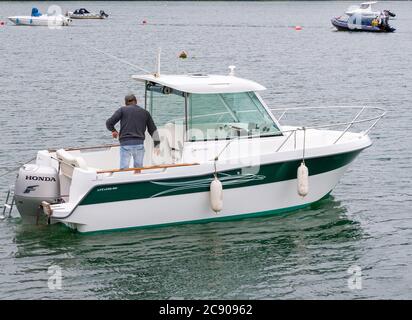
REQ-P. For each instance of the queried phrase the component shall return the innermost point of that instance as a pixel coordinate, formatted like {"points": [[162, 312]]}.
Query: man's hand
{"points": [[156, 151], [115, 134]]}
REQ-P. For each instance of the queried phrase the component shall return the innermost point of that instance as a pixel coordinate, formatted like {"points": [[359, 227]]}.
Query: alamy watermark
{"points": [[56, 12], [55, 279], [355, 278]]}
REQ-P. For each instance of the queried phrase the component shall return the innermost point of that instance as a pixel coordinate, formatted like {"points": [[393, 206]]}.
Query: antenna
{"points": [[157, 74], [118, 59]]}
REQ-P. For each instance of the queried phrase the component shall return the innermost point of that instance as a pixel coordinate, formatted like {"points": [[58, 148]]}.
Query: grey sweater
{"points": [[133, 123]]}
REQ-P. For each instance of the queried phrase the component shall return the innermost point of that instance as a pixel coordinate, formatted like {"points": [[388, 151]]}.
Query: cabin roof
{"points": [[202, 83], [367, 5]]}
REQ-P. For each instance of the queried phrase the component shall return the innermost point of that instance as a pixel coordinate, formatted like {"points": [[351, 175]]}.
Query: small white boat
{"points": [[83, 13], [38, 19], [224, 155]]}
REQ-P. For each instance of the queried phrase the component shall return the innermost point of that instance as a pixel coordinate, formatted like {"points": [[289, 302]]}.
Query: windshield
{"points": [[210, 116], [228, 115]]}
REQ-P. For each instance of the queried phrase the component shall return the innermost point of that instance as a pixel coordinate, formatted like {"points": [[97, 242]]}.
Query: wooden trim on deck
{"points": [[160, 166]]}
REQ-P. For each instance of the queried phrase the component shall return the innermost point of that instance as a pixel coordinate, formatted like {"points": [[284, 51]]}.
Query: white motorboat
{"points": [[224, 155], [83, 13], [364, 18], [38, 19]]}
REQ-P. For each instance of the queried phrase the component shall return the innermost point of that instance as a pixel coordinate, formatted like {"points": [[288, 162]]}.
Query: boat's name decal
{"points": [[37, 178], [106, 189]]}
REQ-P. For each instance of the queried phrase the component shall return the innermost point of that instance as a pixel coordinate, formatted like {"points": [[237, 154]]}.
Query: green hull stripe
{"points": [[269, 173], [230, 218]]}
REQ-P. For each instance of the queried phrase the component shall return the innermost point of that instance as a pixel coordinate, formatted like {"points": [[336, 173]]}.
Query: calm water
{"points": [[56, 91]]}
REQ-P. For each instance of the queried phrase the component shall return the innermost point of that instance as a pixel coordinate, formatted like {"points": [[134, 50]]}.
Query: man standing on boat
{"points": [[134, 120]]}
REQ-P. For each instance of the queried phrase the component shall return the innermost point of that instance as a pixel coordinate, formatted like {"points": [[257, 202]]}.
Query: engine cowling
{"points": [[34, 184]]}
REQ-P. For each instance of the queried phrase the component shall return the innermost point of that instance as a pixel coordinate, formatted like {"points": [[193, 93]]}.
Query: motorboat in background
{"points": [[83, 13], [38, 19], [364, 18]]}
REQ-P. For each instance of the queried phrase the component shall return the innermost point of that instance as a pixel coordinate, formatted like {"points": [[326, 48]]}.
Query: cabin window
{"points": [[228, 115], [165, 105], [367, 21]]}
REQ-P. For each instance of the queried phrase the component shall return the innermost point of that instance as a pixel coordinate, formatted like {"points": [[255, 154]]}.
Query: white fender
{"points": [[216, 195], [303, 180]]}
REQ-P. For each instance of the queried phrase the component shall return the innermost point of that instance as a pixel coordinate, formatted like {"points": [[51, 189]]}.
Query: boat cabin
{"points": [[367, 5], [197, 115], [200, 107], [364, 8]]}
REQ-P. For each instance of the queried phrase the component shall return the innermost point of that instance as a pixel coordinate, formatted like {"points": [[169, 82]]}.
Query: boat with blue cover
{"points": [[38, 19]]}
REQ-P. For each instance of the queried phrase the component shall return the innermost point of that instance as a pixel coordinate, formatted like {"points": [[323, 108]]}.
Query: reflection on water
{"points": [[237, 259]]}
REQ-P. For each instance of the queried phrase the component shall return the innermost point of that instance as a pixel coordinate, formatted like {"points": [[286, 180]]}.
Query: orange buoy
{"points": [[298, 28], [183, 55]]}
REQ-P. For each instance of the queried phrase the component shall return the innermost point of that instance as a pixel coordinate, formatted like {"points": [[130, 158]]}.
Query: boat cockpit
{"points": [[190, 110], [198, 118]]}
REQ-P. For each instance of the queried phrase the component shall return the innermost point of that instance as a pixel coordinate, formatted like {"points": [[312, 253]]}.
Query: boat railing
{"points": [[207, 115], [287, 133], [104, 146], [348, 124]]}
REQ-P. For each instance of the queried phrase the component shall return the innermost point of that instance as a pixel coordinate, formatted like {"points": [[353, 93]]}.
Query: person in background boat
{"points": [[383, 19], [134, 120]]}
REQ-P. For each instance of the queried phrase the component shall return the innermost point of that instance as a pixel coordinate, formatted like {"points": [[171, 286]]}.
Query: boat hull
{"points": [[345, 26], [44, 21], [83, 16], [273, 189]]}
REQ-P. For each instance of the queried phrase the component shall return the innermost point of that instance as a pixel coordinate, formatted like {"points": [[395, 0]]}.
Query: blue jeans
{"points": [[126, 152]]}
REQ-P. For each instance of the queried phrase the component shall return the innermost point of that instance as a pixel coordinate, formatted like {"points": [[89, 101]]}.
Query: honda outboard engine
{"points": [[35, 184]]}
